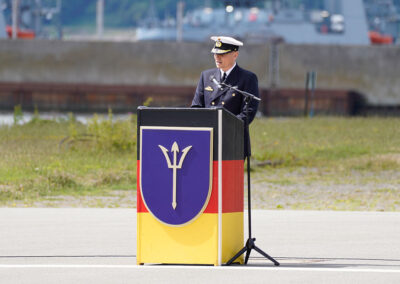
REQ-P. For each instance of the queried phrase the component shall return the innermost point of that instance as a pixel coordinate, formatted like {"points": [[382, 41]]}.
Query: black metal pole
{"points": [[250, 241], [246, 123], [306, 94], [248, 194]]}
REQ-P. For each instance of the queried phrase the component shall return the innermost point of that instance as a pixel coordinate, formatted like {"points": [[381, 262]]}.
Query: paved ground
{"points": [[99, 246]]}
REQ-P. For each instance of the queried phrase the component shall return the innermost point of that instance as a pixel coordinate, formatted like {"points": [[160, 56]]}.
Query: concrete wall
{"points": [[370, 70]]}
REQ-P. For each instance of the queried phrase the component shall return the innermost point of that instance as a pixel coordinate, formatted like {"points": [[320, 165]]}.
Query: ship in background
{"points": [[352, 22], [383, 21], [33, 19], [335, 22], [2, 22]]}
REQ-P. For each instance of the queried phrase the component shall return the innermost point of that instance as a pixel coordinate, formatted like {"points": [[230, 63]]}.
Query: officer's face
{"points": [[225, 61]]}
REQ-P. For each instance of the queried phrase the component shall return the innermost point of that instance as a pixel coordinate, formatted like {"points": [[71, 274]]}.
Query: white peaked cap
{"points": [[227, 40]]}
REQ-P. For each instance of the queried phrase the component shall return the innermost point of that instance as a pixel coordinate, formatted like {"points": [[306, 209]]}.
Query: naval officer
{"points": [[208, 94]]}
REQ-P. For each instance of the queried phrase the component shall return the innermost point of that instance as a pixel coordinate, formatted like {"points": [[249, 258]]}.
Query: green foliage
{"points": [[148, 101], [36, 116], [18, 114], [292, 142], [112, 135], [72, 126], [101, 134], [36, 164], [290, 156]]}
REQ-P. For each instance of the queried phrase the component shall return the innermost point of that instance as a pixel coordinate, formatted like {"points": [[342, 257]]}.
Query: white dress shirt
{"points": [[227, 72]]}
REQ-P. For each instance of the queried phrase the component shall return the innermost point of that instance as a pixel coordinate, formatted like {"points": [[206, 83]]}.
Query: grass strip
{"points": [[333, 163]]}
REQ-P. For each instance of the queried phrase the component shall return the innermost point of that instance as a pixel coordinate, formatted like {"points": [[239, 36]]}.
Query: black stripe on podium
{"points": [[232, 128]]}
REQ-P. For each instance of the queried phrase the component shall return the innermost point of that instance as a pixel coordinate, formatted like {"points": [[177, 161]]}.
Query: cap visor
{"points": [[219, 51]]}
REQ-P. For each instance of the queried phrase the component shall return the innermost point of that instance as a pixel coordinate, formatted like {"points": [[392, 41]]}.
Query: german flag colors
{"points": [[189, 186]]}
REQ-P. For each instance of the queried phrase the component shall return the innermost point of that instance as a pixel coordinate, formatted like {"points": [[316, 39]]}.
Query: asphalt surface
{"points": [[99, 246]]}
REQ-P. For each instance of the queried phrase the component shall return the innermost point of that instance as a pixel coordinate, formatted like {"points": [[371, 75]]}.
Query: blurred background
{"points": [[295, 21], [311, 56], [325, 137]]}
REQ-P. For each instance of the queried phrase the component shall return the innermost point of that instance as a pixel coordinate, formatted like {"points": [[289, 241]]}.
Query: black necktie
{"points": [[223, 77]]}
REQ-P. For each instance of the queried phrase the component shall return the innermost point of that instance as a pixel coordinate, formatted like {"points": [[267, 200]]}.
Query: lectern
{"points": [[190, 184]]}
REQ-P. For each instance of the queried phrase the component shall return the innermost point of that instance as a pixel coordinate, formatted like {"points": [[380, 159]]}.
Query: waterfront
{"points": [[7, 118]]}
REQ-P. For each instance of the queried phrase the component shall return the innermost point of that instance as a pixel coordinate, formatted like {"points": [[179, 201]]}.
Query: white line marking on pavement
{"points": [[211, 268]]}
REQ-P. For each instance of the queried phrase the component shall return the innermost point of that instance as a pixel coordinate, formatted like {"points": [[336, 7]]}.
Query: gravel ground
{"points": [[280, 189], [316, 190]]}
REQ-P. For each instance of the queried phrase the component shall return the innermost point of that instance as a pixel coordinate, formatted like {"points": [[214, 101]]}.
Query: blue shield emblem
{"points": [[175, 172]]}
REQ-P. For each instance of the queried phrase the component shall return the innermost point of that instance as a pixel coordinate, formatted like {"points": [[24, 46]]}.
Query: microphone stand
{"points": [[250, 244]]}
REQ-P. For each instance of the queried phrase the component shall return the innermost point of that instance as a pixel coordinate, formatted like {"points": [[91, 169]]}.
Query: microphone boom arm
{"points": [[246, 94]]}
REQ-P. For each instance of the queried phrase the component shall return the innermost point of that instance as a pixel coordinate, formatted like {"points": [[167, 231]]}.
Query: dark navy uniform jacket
{"points": [[209, 95]]}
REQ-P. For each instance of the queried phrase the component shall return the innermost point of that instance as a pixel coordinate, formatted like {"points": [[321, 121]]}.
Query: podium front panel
{"points": [[189, 186]]}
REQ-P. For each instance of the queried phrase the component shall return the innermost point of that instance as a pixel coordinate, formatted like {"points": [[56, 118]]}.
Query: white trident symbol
{"points": [[174, 166]]}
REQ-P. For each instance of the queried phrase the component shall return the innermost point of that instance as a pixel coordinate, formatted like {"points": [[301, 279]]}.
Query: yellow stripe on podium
{"points": [[195, 243], [232, 235]]}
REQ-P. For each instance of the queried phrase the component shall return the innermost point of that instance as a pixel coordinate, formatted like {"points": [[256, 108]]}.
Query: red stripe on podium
{"points": [[212, 206], [139, 200], [232, 188]]}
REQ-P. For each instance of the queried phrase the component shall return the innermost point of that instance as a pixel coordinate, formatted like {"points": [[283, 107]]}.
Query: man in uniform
{"points": [[208, 94]]}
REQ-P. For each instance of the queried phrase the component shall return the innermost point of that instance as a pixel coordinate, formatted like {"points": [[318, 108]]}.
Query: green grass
{"points": [[42, 159], [332, 142], [329, 163]]}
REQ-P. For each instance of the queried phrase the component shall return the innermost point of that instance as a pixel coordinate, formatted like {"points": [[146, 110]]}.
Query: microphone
{"points": [[212, 78]]}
